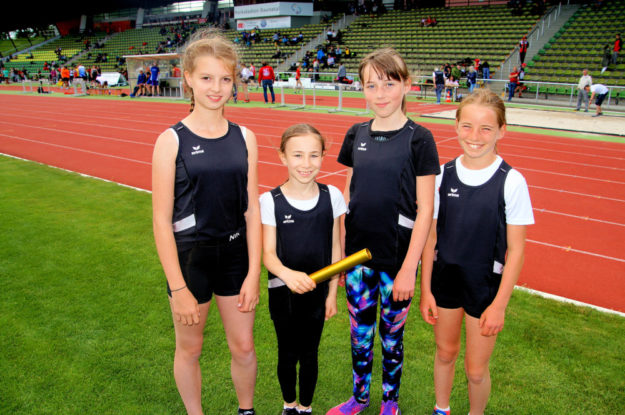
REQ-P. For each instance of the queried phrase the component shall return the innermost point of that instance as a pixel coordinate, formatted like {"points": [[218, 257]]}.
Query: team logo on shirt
{"points": [[362, 147], [196, 150], [453, 193], [234, 236], [287, 219]]}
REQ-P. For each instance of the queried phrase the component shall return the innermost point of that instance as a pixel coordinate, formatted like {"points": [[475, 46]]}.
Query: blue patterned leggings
{"points": [[363, 287]]}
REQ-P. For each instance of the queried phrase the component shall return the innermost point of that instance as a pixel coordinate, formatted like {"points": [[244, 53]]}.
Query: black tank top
{"points": [[471, 226], [303, 237], [382, 207], [210, 192]]}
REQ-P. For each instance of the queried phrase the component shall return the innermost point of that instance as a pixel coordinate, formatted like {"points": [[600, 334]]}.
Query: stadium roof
{"points": [[19, 15]]}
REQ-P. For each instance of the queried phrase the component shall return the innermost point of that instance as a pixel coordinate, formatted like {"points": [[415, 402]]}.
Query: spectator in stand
{"points": [[266, 78], [451, 86], [438, 79], [298, 78], [315, 69], [523, 46], [6, 73], [331, 61], [53, 76], [93, 75], [65, 77], [485, 71], [521, 86], [341, 76], [582, 92], [514, 80], [601, 91], [348, 53], [175, 71], [245, 74], [456, 72], [253, 70], [140, 89], [321, 55], [471, 79], [154, 82], [618, 45]]}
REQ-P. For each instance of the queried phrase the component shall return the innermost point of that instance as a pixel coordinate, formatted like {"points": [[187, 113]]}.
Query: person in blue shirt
{"points": [[153, 81], [141, 84]]}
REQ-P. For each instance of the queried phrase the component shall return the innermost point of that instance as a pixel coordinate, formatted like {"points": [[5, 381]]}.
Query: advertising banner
{"points": [[273, 9], [268, 23]]}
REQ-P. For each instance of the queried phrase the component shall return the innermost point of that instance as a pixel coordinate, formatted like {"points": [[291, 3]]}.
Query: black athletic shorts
{"points": [[218, 268], [600, 98], [471, 288]]}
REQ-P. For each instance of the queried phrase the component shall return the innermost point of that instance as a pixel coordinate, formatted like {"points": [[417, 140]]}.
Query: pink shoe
{"points": [[390, 408], [351, 407]]}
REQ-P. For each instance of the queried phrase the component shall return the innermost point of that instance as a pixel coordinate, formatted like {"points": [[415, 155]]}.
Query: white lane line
{"points": [[586, 218], [77, 149], [550, 189], [579, 251]]}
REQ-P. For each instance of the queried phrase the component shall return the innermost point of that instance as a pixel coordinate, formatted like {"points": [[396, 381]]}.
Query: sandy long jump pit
{"points": [[560, 120]]}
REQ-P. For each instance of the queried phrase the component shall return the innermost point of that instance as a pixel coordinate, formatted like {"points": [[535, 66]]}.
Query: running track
{"points": [[575, 249]]}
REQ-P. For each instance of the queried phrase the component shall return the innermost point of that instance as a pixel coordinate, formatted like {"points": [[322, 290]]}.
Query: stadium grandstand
{"points": [[451, 32]]}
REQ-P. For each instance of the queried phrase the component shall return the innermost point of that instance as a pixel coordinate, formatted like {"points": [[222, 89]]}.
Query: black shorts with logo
{"points": [[471, 288], [214, 267]]}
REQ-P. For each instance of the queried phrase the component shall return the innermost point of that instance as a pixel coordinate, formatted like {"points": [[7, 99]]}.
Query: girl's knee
{"points": [[243, 351], [447, 354], [477, 375], [189, 351]]}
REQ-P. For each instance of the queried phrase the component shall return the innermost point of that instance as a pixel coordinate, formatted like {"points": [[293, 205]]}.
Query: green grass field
{"points": [[86, 327]]}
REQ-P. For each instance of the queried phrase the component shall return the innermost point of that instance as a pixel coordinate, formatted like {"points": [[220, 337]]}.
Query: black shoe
{"points": [[290, 411], [246, 412]]}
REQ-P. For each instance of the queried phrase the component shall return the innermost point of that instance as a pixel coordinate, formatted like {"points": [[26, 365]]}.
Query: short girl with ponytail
{"points": [[206, 221]]}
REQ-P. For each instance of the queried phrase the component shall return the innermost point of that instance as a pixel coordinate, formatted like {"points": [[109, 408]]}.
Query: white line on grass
{"points": [[568, 300]]}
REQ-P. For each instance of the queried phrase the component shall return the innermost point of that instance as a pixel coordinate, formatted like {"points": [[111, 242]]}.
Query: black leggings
{"points": [[298, 320]]}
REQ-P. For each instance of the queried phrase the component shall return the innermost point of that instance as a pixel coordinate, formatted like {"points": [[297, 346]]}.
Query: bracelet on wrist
{"points": [[178, 289]]}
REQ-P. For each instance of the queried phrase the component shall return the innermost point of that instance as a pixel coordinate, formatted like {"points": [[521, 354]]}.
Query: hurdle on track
{"points": [[340, 108], [30, 87], [293, 107], [83, 88]]}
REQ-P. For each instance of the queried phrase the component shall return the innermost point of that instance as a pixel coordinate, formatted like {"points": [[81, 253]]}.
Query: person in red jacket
{"points": [[618, 45], [266, 78], [514, 80], [523, 45]]}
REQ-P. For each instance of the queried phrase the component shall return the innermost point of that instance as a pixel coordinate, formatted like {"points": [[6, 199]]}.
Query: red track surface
{"points": [[575, 250]]}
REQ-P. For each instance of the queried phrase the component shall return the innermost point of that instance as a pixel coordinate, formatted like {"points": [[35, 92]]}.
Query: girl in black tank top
{"points": [[473, 255], [300, 236], [208, 237]]}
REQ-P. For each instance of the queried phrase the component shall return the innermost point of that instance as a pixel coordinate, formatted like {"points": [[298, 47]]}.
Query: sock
{"points": [[446, 410]]}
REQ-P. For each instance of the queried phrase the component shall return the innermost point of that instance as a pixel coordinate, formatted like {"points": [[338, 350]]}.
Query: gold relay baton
{"points": [[340, 266]]}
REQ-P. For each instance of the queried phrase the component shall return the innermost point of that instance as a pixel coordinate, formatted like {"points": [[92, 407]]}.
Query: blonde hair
{"points": [[486, 97], [207, 43], [386, 62], [298, 130]]}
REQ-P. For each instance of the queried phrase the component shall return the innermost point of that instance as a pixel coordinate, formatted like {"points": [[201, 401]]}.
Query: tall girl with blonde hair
{"points": [[207, 221]]}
